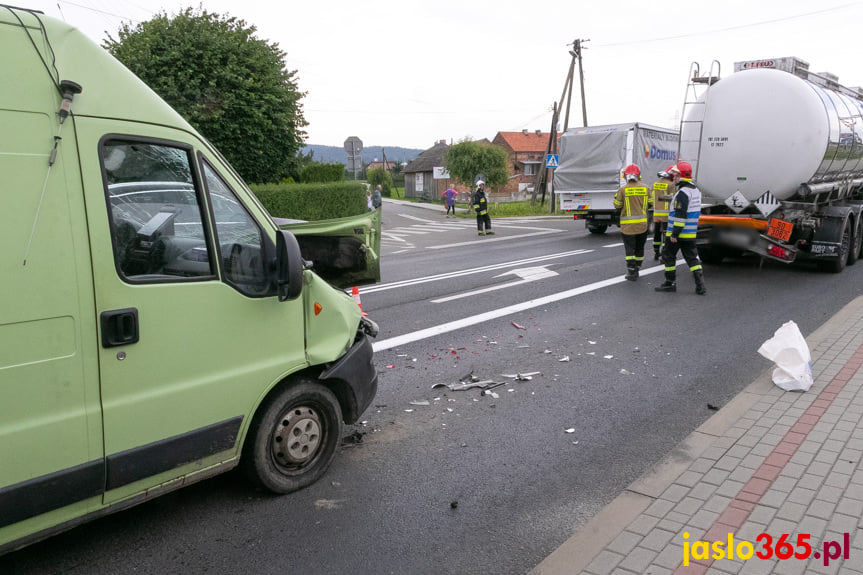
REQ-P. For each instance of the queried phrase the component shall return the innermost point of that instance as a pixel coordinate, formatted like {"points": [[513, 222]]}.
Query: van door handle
{"points": [[119, 327]]}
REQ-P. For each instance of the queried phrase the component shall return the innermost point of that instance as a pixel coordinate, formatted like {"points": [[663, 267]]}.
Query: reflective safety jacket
{"points": [[662, 192], [480, 203], [683, 221], [633, 200]]}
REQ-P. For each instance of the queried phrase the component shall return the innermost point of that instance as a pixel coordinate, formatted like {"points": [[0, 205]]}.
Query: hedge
{"points": [[312, 202]]}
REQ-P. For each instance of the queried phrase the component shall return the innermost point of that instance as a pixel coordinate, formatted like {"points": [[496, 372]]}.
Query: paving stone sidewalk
{"points": [[770, 462]]}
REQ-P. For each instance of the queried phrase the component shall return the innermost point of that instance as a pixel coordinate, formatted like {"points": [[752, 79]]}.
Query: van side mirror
{"points": [[289, 266]]}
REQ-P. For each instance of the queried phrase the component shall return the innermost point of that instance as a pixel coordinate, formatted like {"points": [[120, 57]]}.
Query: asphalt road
{"points": [[471, 483]]}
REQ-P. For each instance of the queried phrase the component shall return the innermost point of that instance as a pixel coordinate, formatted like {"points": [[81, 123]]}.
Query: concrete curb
{"points": [[576, 553]]}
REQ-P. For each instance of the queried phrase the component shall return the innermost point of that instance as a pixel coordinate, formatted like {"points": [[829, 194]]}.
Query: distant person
{"points": [[663, 192], [450, 195], [633, 201], [376, 197], [682, 229], [369, 200], [480, 206]]}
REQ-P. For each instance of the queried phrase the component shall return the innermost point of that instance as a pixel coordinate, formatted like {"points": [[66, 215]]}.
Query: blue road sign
{"points": [[551, 161]]}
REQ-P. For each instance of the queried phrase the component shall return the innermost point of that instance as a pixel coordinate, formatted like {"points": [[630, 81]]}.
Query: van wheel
{"points": [[597, 228], [293, 438]]}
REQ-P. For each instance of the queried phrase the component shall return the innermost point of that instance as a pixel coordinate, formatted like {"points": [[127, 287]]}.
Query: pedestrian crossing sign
{"points": [[551, 161]]}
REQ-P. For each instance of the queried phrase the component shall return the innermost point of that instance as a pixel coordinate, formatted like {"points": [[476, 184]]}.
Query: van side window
{"points": [[240, 240], [155, 212]]}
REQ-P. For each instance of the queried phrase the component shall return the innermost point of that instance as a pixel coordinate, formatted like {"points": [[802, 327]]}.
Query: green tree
{"points": [[230, 85], [466, 159], [380, 176]]}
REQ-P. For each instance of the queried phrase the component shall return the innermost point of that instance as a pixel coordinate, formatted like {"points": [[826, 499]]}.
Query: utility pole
{"points": [[577, 47]]}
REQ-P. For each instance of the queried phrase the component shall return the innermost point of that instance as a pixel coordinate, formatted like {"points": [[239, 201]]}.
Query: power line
{"points": [[730, 28]]}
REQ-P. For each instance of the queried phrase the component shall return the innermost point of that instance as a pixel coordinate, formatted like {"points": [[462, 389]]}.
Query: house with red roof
{"points": [[526, 151]]}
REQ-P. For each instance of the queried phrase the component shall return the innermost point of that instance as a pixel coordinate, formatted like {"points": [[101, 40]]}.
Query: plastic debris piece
{"points": [[511, 390], [449, 409], [420, 402], [564, 358], [547, 351], [636, 350], [453, 505], [494, 395], [625, 372], [608, 356], [712, 407], [591, 353], [390, 366], [402, 355], [462, 386], [570, 430], [517, 326], [591, 342], [409, 411], [575, 443]]}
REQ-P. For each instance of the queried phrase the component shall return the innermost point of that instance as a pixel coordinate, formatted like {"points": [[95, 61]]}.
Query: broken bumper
{"points": [[358, 378]]}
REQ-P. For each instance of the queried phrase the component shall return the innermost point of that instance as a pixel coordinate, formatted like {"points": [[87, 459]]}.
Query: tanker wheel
{"points": [[598, 229], [837, 265], [856, 242], [711, 255]]}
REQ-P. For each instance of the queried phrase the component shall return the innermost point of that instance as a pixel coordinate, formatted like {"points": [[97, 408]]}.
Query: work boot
{"points": [[700, 288], [669, 285], [489, 233], [655, 255], [632, 273], [480, 233]]}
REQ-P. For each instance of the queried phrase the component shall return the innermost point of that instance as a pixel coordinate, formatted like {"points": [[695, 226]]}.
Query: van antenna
{"points": [[68, 89]]}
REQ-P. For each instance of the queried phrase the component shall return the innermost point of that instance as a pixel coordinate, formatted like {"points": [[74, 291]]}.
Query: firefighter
{"points": [[682, 229], [633, 201], [480, 205], [663, 190]]}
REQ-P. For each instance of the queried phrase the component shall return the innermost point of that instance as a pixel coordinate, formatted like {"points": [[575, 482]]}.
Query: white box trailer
{"points": [[592, 160]]}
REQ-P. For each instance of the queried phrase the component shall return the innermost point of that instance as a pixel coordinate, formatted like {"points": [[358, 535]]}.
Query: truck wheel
{"points": [[711, 255], [598, 229], [856, 241], [837, 265], [293, 438]]}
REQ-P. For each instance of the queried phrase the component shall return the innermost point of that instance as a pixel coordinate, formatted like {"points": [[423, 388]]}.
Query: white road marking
{"points": [[502, 312], [497, 239], [613, 245], [460, 273]]}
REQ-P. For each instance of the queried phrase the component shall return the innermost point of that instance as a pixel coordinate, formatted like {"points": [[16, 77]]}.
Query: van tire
{"points": [[306, 412], [598, 229]]}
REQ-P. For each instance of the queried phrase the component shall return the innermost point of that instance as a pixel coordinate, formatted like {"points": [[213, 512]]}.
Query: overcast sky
{"points": [[408, 73]]}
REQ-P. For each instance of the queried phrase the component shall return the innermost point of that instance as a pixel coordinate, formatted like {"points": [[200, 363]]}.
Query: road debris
{"points": [[564, 358], [517, 326], [547, 351], [608, 356], [625, 372], [570, 430], [463, 386], [527, 376], [420, 402], [487, 391], [354, 438], [712, 407]]}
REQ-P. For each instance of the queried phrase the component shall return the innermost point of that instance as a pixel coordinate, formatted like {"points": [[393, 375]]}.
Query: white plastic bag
{"points": [[788, 350]]}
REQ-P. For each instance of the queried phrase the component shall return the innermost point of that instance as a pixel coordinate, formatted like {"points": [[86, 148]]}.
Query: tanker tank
{"points": [[768, 130]]}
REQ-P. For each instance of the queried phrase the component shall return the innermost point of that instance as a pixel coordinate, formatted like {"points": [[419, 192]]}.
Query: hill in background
{"points": [[337, 154]]}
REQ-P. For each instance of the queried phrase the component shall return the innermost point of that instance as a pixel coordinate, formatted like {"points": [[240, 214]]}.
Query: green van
{"points": [[156, 326]]}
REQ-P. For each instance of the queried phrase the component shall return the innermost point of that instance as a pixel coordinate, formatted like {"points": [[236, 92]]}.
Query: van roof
{"points": [[110, 90]]}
